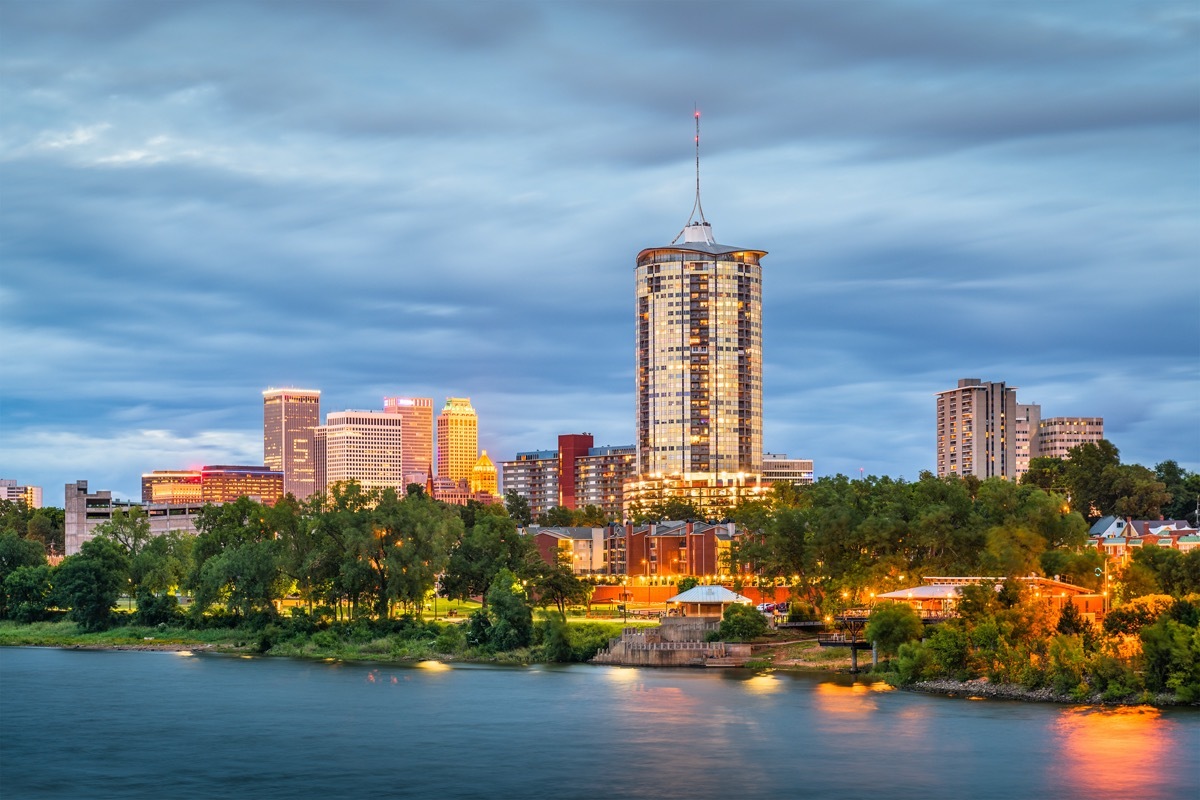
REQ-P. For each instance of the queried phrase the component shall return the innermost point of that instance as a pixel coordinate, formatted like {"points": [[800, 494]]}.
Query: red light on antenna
{"points": [[697, 113]]}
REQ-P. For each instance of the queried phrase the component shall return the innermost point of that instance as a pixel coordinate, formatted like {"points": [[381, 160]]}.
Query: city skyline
{"points": [[204, 201]]}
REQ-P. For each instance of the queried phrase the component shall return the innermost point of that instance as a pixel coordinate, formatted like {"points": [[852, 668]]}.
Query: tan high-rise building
{"points": [[289, 417], [976, 430], [457, 439], [1058, 435], [417, 413], [698, 346], [364, 446]]}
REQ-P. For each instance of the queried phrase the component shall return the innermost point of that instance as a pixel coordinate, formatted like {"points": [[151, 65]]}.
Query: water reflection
{"points": [[1118, 752]]}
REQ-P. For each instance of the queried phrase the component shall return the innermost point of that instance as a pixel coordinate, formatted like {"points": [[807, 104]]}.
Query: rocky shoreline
{"points": [[1010, 691]]}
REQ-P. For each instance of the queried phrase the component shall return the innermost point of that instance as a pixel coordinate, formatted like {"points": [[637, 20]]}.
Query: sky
{"points": [[199, 201]]}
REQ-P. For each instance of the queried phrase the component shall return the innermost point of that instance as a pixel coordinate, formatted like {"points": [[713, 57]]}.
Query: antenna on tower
{"points": [[706, 229]]}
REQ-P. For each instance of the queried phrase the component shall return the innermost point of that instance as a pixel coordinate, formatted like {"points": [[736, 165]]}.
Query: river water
{"points": [[109, 724]]}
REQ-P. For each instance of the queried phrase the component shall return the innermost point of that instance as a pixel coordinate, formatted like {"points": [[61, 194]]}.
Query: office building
{"points": [[976, 430], [1058, 435], [363, 446], [698, 358], [778, 468], [212, 484], [417, 413], [289, 418], [13, 492], [484, 477], [457, 439]]}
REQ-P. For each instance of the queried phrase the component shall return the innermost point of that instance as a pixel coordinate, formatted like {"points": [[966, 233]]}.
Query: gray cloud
{"points": [[377, 198]]}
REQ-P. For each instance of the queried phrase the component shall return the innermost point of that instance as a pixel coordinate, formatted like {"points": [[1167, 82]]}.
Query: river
{"points": [[120, 724]]}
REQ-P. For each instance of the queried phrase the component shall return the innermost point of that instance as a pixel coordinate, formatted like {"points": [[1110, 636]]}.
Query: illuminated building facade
{"points": [[484, 477], [457, 439], [11, 491], [597, 475], [698, 351], [976, 430], [1025, 434], [363, 446], [289, 418], [778, 468], [1058, 435], [417, 413], [212, 484]]}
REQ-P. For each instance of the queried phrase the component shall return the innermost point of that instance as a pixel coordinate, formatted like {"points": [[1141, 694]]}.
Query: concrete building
{"points": [[417, 413], [976, 430], [712, 496], [13, 492], [289, 418], [596, 475], [212, 484], [1058, 435], [457, 439], [363, 446], [698, 353], [84, 511], [778, 468]]}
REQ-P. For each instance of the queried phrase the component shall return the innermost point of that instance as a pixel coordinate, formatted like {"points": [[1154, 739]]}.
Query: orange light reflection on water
{"points": [[1115, 752]]}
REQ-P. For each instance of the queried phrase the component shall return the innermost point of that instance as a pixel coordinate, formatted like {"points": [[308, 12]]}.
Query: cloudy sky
{"points": [[201, 200]]}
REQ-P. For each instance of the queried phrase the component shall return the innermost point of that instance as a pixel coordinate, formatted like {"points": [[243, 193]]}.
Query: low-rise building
{"points": [[13, 492], [84, 511]]}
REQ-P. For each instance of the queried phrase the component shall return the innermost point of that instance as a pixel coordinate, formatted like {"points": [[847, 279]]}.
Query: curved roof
{"points": [[707, 249]]}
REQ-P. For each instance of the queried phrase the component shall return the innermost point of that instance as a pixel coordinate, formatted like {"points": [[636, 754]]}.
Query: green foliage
{"points": [[1171, 656], [1067, 663], [157, 609], [1131, 617], [493, 545], [742, 623], [518, 508], [42, 525], [16, 553], [948, 652], [90, 583], [892, 625], [686, 583], [557, 584], [511, 616], [27, 593], [551, 634]]}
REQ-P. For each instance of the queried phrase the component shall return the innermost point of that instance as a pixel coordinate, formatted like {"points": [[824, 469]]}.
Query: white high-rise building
{"points": [[364, 446], [976, 430]]}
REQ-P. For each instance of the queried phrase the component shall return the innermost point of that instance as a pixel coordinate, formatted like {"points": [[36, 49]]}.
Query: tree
{"points": [[557, 584], [518, 508], [27, 592], [129, 529], [90, 583], [557, 517], [236, 559], [1184, 488], [509, 612], [15, 553], [892, 625], [741, 623], [492, 545], [411, 540]]}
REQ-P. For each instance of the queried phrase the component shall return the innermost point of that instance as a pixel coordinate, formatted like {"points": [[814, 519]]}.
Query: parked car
{"points": [[766, 608]]}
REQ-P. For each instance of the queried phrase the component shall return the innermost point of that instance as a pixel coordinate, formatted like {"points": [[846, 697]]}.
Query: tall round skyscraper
{"points": [[699, 354]]}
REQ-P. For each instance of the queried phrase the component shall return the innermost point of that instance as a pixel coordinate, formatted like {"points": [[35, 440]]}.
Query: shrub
{"points": [[155, 609], [892, 625]]}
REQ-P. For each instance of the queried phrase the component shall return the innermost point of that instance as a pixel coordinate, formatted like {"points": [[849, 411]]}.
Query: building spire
{"points": [[696, 230]]}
